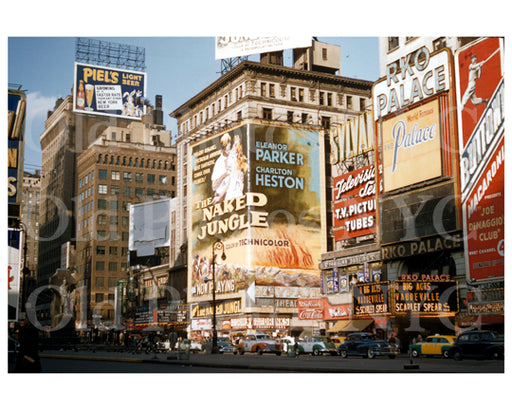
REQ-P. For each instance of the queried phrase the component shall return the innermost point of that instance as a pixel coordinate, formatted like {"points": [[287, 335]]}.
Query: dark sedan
{"points": [[479, 344], [366, 345]]}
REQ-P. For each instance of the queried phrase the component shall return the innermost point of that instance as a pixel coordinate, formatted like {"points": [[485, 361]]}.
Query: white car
{"points": [[259, 343]]}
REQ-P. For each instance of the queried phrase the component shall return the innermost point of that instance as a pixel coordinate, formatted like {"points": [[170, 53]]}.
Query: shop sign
{"points": [[410, 80], [311, 309], [425, 297], [351, 260], [201, 324], [481, 119], [371, 299], [485, 308], [286, 292], [268, 322], [421, 247]]}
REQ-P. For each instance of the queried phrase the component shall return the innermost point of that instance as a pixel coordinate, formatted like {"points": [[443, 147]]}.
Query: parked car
{"points": [[338, 341], [366, 345], [316, 345], [187, 344], [482, 344], [259, 343], [436, 345], [223, 346]]}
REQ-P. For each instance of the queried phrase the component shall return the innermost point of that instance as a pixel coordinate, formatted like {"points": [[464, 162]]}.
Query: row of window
{"points": [[127, 191], [112, 267], [394, 42], [86, 179], [136, 162]]}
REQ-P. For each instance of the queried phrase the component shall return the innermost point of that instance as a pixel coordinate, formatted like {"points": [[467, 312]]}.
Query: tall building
{"points": [[122, 167], [30, 217], [309, 96], [92, 164]]}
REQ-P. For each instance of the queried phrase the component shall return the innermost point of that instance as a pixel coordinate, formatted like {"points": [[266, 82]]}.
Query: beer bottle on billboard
{"points": [[80, 96]]}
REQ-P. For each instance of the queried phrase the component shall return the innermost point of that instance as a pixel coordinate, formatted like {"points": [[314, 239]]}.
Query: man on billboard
{"points": [[475, 71]]}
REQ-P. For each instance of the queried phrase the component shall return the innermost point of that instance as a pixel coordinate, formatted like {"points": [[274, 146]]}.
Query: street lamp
{"points": [[217, 246]]}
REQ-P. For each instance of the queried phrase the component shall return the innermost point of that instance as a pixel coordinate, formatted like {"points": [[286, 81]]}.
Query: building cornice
{"points": [[271, 69]]}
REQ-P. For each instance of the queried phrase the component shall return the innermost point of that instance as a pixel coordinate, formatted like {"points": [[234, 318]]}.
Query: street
{"points": [[114, 362]]}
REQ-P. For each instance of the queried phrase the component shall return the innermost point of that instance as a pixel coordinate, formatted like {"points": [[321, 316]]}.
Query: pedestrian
{"points": [[28, 360]]}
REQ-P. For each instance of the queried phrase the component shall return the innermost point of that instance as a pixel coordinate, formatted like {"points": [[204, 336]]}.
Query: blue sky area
{"points": [[176, 67]]}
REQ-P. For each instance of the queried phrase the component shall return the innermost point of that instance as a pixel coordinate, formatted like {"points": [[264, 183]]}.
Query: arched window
{"points": [[100, 157]]}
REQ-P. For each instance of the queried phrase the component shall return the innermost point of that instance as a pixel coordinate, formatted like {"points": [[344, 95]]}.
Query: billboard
{"points": [[480, 109], [257, 189], [149, 226], [228, 47], [15, 239], [109, 91], [15, 149], [412, 146]]}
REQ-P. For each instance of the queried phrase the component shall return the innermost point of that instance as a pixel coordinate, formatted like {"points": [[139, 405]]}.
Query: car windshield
{"points": [[263, 337]]}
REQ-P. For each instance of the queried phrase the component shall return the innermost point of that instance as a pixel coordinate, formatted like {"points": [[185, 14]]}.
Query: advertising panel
{"points": [[15, 149], [149, 226], [371, 299], [14, 242], [321, 309], [480, 104], [228, 47], [109, 91], [430, 297], [256, 188], [412, 146], [355, 205]]}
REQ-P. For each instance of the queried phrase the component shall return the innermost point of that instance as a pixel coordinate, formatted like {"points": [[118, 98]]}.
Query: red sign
{"points": [[484, 213], [354, 203], [480, 103], [321, 309]]}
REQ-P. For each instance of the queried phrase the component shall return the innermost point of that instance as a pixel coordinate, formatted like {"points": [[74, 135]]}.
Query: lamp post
{"points": [[217, 246]]}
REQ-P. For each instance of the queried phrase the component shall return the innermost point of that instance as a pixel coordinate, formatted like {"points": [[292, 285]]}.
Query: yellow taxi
{"points": [[436, 345], [337, 340]]}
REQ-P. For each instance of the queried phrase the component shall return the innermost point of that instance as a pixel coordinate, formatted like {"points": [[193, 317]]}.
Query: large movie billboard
{"points": [[109, 91], [15, 146], [257, 189], [15, 239], [480, 104]]}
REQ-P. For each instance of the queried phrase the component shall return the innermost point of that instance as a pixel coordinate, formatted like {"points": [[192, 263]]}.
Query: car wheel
{"points": [[315, 352], [370, 354], [241, 351], [392, 356], [278, 353], [457, 355], [259, 351], [344, 354], [414, 353], [445, 354], [235, 351]]}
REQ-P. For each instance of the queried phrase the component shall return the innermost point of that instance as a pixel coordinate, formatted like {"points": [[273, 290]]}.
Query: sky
{"points": [[177, 68]]}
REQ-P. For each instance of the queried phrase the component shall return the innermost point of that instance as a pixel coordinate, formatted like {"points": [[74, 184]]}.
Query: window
{"points": [[322, 98], [151, 192], [128, 137], [126, 206], [324, 53], [125, 221], [114, 236], [99, 297], [304, 118], [301, 94], [125, 236], [162, 193], [272, 90], [267, 114], [162, 179], [113, 220], [362, 104], [392, 43], [127, 176], [114, 205], [100, 265], [112, 283], [100, 250], [293, 94], [114, 189], [115, 175], [329, 99], [151, 178], [239, 116], [139, 177], [102, 204], [326, 123], [349, 101], [102, 235], [289, 116], [102, 189], [139, 192], [114, 136], [102, 219], [100, 282], [112, 250]]}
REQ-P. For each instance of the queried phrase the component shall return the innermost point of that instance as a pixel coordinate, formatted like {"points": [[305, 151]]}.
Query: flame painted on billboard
{"points": [[257, 189]]}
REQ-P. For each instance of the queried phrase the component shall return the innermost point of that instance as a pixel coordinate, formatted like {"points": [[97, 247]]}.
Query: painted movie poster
{"points": [[257, 189]]}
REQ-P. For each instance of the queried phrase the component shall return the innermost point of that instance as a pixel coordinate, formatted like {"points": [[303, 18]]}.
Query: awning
{"points": [[354, 325]]}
